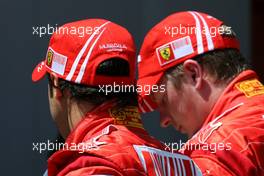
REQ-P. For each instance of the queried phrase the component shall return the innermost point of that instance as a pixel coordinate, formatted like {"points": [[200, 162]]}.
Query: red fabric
{"points": [[71, 54], [115, 149], [237, 122], [166, 46]]}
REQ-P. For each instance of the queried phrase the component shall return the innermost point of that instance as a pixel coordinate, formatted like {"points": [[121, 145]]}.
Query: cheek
{"points": [[171, 96], [172, 103], [55, 109], [179, 107], [189, 115]]}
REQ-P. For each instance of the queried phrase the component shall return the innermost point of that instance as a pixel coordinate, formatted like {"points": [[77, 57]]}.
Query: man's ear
{"points": [[193, 72]]}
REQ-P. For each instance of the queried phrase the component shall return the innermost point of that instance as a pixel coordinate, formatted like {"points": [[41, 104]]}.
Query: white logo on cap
{"points": [[113, 47], [41, 66], [58, 62], [174, 50]]}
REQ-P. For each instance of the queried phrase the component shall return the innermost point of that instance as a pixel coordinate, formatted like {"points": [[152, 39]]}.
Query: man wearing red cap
{"points": [[210, 92], [103, 131]]}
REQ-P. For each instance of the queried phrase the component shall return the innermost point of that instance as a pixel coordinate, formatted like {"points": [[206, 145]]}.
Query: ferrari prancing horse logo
{"points": [[165, 53], [49, 57]]}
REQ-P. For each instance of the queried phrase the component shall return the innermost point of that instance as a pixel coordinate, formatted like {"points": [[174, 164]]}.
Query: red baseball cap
{"points": [[76, 49], [179, 37]]}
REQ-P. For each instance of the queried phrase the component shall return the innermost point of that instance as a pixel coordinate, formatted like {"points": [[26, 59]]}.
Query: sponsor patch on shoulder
{"points": [[174, 50], [250, 87], [128, 116], [56, 61]]}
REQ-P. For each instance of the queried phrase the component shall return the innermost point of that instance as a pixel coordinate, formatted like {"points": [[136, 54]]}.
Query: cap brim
{"points": [[148, 81], [144, 101], [39, 72]]}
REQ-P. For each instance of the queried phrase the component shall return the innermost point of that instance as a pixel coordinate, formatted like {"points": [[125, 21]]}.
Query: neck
{"points": [[217, 91], [77, 110]]}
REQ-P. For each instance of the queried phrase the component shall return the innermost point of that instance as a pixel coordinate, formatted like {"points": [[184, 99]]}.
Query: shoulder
{"points": [[90, 165], [237, 137]]}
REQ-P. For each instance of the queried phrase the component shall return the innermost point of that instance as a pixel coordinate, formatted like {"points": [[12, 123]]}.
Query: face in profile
{"points": [[180, 106], [58, 108]]}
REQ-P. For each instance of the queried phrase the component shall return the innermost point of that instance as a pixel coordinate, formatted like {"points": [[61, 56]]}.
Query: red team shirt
{"points": [[115, 143], [236, 125], [231, 141]]}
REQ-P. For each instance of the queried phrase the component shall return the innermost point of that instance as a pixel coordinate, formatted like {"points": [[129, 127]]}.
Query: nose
{"points": [[164, 120]]}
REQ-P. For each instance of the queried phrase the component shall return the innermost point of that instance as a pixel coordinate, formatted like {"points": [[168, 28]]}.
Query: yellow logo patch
{"points": [[165, 53], [49, 57], [128, 116], [251, 87]]}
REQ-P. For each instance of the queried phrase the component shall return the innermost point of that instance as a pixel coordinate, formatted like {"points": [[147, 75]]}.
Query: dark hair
{"points": [[223, 65], [111, 67]]}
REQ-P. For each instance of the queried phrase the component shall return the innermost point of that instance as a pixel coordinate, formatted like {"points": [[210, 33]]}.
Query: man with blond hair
{"points": [[211, 94]]}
